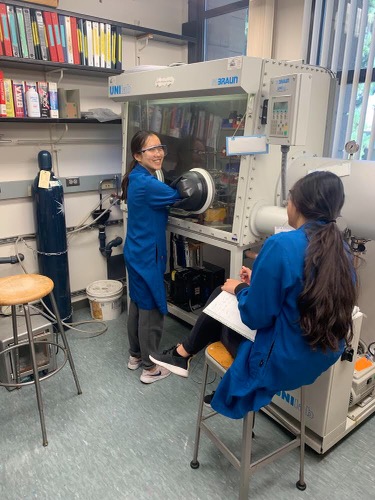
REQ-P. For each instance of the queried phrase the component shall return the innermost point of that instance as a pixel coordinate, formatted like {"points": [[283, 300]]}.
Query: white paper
{"points": [[225, 309], [246, 145]]}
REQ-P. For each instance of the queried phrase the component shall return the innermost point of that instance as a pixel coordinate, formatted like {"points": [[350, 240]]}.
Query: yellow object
{"points": [[49, 3], [215, 214], [362, 364]]}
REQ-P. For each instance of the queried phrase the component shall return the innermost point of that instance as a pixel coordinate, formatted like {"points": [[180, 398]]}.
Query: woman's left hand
{"points": [[230, 285]]}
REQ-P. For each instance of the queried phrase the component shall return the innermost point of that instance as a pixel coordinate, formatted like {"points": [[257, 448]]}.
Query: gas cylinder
{"points": [[49, 214]]}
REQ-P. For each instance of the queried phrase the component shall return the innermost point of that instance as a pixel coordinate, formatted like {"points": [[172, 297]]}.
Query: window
{"points": [[342, 38]]}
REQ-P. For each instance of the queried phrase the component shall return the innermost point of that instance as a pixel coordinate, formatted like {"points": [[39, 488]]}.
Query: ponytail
{"points": [[329, 294]]}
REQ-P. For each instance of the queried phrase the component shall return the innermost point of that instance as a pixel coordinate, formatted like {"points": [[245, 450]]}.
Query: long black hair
{"points": [[330, 292], [137, 143]]}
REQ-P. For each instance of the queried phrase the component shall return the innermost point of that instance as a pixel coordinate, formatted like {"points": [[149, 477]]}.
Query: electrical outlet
{"points": [[108, 185], [72, 181]]}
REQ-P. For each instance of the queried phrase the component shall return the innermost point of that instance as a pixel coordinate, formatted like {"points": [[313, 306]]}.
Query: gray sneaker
{"points": [[134, 363], [150, 376], [175, 364]]}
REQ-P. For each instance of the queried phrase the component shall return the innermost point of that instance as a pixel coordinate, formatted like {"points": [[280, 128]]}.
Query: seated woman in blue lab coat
{"points": [[145, 251], [299, 297]]}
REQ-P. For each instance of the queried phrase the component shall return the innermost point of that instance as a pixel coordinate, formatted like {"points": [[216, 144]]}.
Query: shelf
{"points": [[59, 120], [37, 65], [127, 29]]}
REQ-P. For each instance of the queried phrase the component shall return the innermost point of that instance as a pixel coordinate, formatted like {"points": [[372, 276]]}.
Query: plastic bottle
{"points": [[32, 103]]}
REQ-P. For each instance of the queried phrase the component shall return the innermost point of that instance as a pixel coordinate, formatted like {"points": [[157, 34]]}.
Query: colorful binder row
{"points": [[49, 36]]}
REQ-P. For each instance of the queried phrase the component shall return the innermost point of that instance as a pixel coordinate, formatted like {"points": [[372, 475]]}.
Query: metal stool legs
{"points": [[194, 464], [65, 341], [35, 372]]}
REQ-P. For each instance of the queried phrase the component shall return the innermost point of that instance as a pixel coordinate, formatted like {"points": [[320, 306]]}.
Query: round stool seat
{"points": [[220, 354], [24, 288]]}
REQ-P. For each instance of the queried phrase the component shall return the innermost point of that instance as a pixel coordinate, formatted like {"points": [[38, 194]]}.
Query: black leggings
{"points": [[208, 330]]}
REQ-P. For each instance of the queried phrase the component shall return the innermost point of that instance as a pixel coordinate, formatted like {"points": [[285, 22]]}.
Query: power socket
{"points": [[108, 185], [72, 181]]}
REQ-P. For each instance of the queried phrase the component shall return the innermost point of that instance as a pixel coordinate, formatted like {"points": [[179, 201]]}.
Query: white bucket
{"points": [[105, 298]]}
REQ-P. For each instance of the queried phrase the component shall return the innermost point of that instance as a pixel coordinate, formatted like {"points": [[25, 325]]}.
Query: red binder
{"points": [[73, 25], [50, 37], [5, 29], [56, 34]]}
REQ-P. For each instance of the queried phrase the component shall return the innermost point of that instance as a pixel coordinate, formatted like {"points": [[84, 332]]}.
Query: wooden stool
{"points": [[22, 289], [219, 360]]}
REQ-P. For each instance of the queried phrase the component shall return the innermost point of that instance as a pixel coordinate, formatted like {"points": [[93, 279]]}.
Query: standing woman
{"points": [[145, 251]]}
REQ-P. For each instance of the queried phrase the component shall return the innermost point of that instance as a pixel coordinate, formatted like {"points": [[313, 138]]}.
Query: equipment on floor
{"points": [[45, 354], [49, 214]]}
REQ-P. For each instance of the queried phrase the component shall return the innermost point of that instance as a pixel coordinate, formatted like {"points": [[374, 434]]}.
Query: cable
{"points": [[51, 316]]}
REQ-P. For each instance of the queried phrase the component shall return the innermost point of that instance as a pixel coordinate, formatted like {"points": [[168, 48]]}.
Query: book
{"points": [[57, 37], [41, 35], [1, 40], [225, 309], [5, 30], [44, 100], [29, 33], [19, 99], [118, 58], [13, 28], [53, 102], [81, 42], [9, 97], [3, 108], [34, 27]]}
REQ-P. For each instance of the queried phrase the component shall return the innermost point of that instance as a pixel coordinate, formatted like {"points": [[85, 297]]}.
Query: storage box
{"points": [[48, 3], [69, 103]]}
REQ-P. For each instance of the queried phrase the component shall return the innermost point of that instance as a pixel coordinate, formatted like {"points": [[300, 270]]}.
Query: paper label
{"points": [[44, 177]]}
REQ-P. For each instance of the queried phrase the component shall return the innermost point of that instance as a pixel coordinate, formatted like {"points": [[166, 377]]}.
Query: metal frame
{"points": [[244, 465]]}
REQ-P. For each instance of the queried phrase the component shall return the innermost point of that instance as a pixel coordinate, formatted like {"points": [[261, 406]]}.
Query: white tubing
{"points": [[269, 217]]}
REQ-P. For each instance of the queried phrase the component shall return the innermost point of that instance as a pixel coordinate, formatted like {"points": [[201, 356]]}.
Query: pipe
{"points": [[13, 259]]}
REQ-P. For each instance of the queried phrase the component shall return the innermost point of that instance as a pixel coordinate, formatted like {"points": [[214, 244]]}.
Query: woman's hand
{"points": [[230, 285], [245, 275]]}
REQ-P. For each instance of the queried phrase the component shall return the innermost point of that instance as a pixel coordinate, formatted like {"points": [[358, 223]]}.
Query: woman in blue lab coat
{"points": [[299, 297], [145, 251]]}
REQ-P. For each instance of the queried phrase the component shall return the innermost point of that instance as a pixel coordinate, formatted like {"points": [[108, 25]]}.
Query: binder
{"points": [[108, 39], [50, 36], [24, 52], [57, 38], [81, 45], [13, 31], [41, 35], [61, 19], [73, 27], [69, 43], [96, 44], [89, 43], [34, 27], [102, 45], [5, 30], [118, 59], [29, 33], [1, 41]]}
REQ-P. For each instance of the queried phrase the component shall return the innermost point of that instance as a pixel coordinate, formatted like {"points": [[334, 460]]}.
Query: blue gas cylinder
{"points": [[49, 214]]}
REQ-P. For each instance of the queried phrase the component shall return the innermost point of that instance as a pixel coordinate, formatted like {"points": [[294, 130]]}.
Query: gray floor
{"points": [[122, 439]]}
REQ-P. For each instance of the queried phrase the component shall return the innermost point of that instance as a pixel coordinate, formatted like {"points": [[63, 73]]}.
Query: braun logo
{"points": [[225, 80]]}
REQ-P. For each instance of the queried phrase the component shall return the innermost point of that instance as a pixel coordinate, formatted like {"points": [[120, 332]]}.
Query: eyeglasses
{"points": [[162, 149]]}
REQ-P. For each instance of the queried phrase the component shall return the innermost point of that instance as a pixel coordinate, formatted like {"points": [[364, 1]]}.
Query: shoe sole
{"points": [[152, 380], [134, 367], [172, 368]]}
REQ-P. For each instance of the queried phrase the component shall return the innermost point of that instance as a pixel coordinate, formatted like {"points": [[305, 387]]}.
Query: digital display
{"points": [[281, 106]]}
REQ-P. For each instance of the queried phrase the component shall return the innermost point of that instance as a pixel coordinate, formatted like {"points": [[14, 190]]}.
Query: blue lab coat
{"points": [[145, 249], [280, 357]]}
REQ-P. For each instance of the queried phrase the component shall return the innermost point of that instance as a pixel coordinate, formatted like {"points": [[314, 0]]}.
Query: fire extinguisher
{"points": [[49, 214]]}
